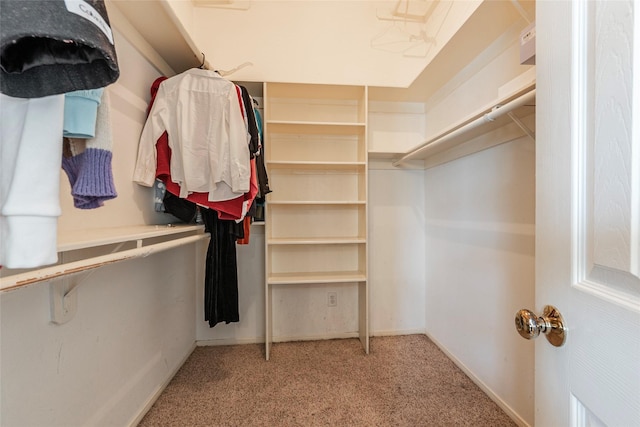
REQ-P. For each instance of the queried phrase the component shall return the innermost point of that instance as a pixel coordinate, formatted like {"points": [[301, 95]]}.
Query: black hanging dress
{"points": [[221, 273]]}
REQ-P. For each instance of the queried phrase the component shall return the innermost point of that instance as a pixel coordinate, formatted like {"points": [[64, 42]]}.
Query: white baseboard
{"points": [[260, 340], [230, 341], [335, 336], [395, 332], [152, 399], [486, 389]]}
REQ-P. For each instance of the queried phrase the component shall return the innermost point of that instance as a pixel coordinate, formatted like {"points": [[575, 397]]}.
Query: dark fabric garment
{"points": [[253, 209], [261, 171], [259, 214], [183, 209], [221, 274], [49, 47], [254, 143], [257, 143]]}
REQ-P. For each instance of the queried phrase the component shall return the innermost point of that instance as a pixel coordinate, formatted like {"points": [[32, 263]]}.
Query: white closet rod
{"points": [[497, 111], [72, 268]]}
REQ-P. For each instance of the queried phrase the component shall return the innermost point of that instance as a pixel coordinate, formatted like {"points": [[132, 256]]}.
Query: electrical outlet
{"points": [[332, 299]]}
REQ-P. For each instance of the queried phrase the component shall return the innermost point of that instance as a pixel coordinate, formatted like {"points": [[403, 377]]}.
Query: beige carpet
{"points": [[404, 381]]}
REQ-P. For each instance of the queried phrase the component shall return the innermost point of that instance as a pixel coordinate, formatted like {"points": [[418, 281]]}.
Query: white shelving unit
{"points": [[316, 216]]}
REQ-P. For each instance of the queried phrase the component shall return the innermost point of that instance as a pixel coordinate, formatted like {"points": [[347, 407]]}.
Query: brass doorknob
{"points": [[551, 324]]}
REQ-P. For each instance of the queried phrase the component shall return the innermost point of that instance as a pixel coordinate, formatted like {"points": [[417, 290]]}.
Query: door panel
{"points": [[588, 211], [605, 171]]}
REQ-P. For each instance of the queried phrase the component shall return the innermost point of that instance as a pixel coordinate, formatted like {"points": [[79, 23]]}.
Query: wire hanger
{"points": [[204, 64], [233, 70]]}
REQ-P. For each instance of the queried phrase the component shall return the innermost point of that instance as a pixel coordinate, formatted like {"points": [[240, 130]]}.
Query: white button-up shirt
{"points": [[202, 115]]}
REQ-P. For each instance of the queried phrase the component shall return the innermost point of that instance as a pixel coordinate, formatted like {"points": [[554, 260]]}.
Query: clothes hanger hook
{"points": [[203, 61]]}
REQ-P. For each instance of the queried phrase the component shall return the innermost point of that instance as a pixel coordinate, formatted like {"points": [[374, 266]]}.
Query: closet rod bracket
{"points": [[531, 134], [63, 300]]}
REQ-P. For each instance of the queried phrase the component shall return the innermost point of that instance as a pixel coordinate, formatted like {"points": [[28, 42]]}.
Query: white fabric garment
{"points": [[30, 157], [207, 135]]}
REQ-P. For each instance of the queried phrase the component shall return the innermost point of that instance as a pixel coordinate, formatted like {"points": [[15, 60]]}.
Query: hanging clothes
{"points": [[263, 179], [257, 162], [228, 209], [219, 216], [233, 209], [252, 126], [47, 48], [50, 47], [30, 156], [81, 113], [199, 111], [221, 274], [87, 150]]}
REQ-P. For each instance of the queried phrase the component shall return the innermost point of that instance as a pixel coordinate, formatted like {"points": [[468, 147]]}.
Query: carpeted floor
{"points": [[404, 381]]}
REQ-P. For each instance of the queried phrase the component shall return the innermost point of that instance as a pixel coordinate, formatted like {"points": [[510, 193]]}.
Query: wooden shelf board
{"points": [[311, 278], [384, 155], [82, 239], [317, 241], [306, 123], [314, 165], [160, 28]]}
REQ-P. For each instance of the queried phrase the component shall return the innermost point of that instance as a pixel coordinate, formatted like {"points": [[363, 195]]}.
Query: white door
{"points": [[588, 211]]}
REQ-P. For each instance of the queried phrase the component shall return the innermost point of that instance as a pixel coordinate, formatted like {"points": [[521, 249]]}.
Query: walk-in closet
{"points": [[418, 168]]}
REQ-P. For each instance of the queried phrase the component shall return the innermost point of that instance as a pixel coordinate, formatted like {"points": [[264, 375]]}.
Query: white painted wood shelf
{"points": [[158, 34], [316, 216], [110, 245], [317, 278], [82, 239], [317, 241], [310, 123], [308, 165]]}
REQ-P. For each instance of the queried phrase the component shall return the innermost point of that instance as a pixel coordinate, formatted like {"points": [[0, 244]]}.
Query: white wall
{"points": [[133, 329], [480, 266], [129, 99], [395, 127], [134, 323], [478, 84], [396, 251], [480, 221]]}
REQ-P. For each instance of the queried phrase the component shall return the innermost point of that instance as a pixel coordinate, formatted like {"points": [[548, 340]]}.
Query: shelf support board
{"points": [[531, 134]]}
